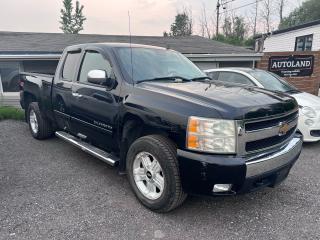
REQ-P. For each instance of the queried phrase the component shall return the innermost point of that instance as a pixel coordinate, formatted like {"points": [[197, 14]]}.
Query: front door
{"points": [[94, 108]]}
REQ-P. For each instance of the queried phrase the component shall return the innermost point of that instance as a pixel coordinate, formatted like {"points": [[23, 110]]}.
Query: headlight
{"points": [[309, 112], [211, 135]]}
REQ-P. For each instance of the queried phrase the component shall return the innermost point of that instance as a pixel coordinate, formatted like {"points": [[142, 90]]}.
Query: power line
{"points": [[224, 3], [241, 6]]}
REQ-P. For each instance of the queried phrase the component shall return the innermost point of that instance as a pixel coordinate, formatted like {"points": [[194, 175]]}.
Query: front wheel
{"points": [[153, 173]]}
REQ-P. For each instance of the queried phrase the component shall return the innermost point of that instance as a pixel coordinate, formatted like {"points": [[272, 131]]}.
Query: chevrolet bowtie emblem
{"points": [[283, 128]]}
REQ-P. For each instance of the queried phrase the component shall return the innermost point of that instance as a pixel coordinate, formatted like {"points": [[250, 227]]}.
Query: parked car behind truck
{"points": [[309, 119], [153, 114]]}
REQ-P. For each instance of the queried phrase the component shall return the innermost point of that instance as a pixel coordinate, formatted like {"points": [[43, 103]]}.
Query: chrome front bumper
{"points": [[276, 160]]}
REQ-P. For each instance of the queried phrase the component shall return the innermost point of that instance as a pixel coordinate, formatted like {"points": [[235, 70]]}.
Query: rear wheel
{"points": [[153, 173], [39, 126]]}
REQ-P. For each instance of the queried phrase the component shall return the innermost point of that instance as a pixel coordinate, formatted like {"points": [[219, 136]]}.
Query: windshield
{"points": [[272, 82], [151, 64]]}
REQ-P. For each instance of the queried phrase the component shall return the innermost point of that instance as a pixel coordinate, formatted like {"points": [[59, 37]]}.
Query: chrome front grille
{"points": [[260, 135]]}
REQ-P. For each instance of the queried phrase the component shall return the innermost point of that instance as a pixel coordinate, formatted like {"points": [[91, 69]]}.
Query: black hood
{"points": [[232, 102]]}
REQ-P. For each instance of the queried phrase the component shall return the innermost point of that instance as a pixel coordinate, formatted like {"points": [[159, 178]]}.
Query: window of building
{"points": [[40, 66], [70, 65], [93, 61], [304, 43], [9, 76]]}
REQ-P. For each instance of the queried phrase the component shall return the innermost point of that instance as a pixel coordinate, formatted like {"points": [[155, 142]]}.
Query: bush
{"points": [[11, 113]]}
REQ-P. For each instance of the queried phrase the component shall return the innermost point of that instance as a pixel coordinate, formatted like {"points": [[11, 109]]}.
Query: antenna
{"points": [[130, 45]]}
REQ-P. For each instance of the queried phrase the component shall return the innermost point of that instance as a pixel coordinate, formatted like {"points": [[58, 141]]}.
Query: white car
{"points": [[309, 116]]}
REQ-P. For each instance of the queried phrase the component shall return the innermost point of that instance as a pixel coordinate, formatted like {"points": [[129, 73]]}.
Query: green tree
{"points": [[234, 31], [239, 28], [182, 25], [307, 12], [72, 22], [227, 27], [66, 16]]}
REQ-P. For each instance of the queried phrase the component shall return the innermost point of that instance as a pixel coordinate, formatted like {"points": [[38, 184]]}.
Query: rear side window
{"points": [[70, 65], [237, 78]]}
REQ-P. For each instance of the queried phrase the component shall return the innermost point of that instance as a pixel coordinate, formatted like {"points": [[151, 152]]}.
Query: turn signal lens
{"points": [[193, 141], [193, 125], [211, 135]]}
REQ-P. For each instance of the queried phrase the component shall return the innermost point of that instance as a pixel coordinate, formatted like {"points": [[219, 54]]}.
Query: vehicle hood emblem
{"points": [[283, 128]]}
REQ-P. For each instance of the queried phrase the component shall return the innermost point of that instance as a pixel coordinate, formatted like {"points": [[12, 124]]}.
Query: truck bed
{"points": [[36, 84]]}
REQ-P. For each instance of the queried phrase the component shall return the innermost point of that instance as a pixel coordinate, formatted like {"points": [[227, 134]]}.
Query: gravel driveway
{"points": [[51, 190]]}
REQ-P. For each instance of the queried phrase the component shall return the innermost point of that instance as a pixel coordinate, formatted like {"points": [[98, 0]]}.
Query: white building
{"points": [[305, 37]]}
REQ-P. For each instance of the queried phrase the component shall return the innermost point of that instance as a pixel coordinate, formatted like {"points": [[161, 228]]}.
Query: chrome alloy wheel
{"points": [[148, 175], [33, 122]]}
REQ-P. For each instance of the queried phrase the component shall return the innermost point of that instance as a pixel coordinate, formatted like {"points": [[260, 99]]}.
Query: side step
{"points": [[88, 148]]}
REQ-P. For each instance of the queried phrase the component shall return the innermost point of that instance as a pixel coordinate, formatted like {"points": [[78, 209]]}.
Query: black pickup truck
{"points": [[155, 116]]}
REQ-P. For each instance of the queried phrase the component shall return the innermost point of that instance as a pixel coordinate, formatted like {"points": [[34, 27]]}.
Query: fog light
{"points": [[219, 188], [309, 122]]}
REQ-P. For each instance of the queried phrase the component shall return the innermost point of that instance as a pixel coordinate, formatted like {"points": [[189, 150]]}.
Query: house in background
{"points": [[40, 52], [305, 37], [294, 54]]}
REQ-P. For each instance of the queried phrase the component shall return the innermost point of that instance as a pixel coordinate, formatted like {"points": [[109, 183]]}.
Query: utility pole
{"points": [[218, 17]]}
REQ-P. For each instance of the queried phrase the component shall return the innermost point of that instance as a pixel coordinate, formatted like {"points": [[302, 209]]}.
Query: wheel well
{"points": [[28, 98], [133, 128]]}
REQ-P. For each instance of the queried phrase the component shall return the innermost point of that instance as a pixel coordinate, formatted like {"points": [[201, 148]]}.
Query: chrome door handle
{"points": [[76, 95]]}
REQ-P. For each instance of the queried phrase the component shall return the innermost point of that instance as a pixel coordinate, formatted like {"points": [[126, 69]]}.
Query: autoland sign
{"points": [[292, 66]]}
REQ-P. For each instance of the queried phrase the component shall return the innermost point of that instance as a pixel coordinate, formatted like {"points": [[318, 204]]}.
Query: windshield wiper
{"points": [[292, 91], [201, 78], [171, 78]]}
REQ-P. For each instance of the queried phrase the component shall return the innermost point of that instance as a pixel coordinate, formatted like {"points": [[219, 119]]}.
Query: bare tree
{"points": [[188, 12], [205, 28], [266, 14], [255, 19], [281, 5], [252, 18]]}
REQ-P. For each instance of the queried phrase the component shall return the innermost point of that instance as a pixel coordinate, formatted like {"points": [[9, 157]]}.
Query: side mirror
{"points": [[97, 77]]}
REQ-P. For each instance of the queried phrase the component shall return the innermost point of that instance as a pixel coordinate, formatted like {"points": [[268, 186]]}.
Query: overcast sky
{"points": [[148, 17]]}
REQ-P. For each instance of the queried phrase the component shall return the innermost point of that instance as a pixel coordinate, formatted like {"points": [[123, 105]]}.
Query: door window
{"points": [[237, 78], [70, 65], [93, 61], [213, 75]]}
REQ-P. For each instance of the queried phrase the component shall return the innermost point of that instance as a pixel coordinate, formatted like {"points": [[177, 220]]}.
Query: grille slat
{"points": [[258, 125], [268, 142], [263, 134]]}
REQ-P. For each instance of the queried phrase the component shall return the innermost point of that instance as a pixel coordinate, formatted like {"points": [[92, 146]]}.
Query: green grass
{"points": [[11, 113]]}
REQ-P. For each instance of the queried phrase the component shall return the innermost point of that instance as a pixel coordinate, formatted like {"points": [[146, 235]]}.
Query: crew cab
{"points": [[155, 116]]}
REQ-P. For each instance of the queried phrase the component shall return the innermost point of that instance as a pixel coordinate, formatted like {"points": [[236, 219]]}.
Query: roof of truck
{"points": [[116, 45]]}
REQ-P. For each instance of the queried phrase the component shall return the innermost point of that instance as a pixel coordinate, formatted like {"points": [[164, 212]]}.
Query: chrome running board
{"points": [[88, 148]]}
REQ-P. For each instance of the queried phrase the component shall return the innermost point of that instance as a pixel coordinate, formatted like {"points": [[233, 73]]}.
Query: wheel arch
{"points": [[133, 128]]}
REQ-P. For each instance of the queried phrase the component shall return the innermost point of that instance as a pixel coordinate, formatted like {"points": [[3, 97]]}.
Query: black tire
{"points": [[45, 129], [165, 152]]}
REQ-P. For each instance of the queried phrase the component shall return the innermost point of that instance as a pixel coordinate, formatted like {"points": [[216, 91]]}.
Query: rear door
{"points": [[94, 108], [62, 88]]}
